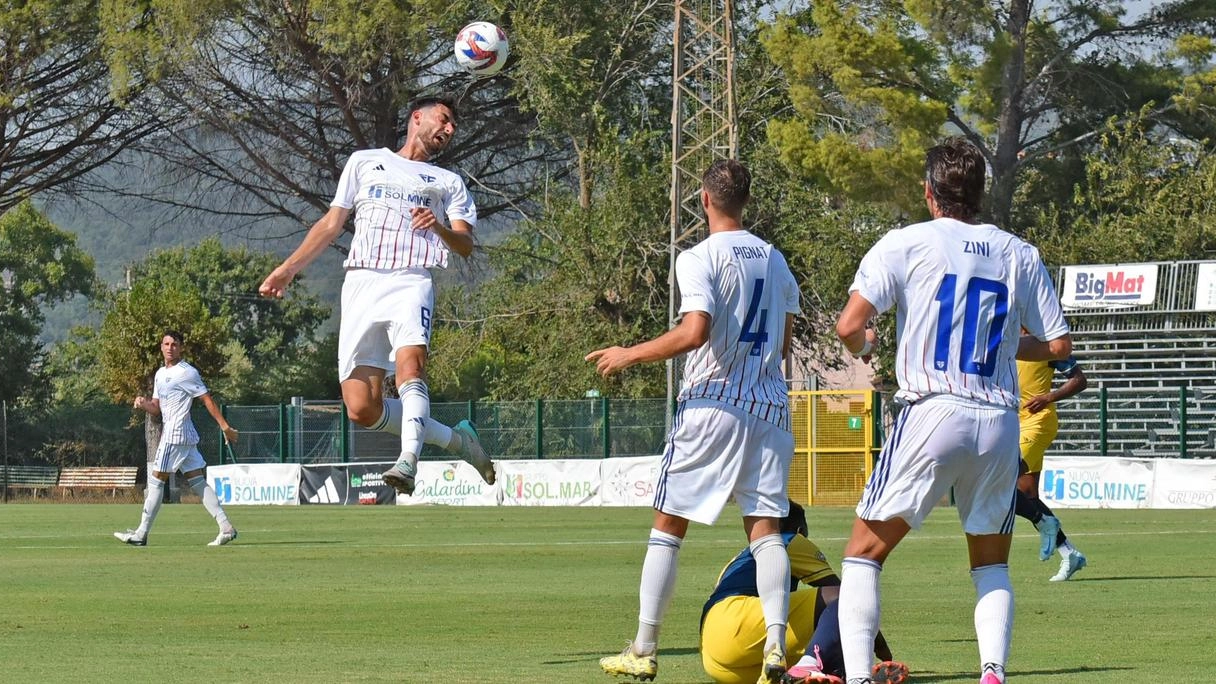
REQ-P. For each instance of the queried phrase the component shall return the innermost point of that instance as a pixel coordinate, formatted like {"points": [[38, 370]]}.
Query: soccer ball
{"points": [[481, 48]]}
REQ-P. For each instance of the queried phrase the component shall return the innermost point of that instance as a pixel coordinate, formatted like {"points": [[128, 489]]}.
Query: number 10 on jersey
{"points": [[985, 306]]}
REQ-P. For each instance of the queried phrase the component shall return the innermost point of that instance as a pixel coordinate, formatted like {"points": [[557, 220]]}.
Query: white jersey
{"points": [[176, 387], [962, 293], [382, 187], [745, 286]]}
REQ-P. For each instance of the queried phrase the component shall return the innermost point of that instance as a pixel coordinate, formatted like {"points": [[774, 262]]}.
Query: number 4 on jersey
{"points": [[760, 336]]}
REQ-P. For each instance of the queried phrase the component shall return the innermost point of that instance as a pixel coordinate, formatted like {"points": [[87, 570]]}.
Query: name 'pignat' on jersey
{"points": [[175, 387], [746, 287], [962, 292], [382, 187]]}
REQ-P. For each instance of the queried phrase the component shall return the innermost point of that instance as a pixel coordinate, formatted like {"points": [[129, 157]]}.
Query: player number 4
{"points": [[758, 317]]}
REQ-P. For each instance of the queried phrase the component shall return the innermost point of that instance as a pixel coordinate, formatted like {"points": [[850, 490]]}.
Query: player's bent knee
{"points": [[364, 415]]}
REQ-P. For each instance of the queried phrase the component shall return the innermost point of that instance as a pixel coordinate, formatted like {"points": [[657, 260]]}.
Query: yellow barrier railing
{"points": [[834, 437]]}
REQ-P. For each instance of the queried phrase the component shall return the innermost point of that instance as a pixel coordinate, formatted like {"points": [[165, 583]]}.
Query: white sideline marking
{"points": [[586, 542]]}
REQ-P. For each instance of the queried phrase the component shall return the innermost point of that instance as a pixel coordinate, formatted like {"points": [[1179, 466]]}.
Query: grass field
{"points": [[384, 594]]}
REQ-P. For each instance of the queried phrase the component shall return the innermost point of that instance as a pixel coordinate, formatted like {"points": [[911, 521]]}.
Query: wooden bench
{"points": [[35, 478], [113, 479]]}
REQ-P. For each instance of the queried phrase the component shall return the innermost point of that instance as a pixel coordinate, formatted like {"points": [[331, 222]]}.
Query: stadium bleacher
{"points": [[1157, 363]]}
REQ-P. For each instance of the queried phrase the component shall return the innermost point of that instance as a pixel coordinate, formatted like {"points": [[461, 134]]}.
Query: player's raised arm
{"points": [[320, 236]]}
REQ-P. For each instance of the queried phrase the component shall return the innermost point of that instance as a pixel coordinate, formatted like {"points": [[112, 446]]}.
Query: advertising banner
{"points": [[274, 484], [1205, 287], [1109, 286], [1096, 482], [450, 483], [345, 483], [629, 481], [1184, 483], [550, 483]]}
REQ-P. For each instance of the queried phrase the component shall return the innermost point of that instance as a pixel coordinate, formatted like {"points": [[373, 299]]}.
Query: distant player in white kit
{"points": [[174, 389], [962, 290], [409, 215], [732, 429]]}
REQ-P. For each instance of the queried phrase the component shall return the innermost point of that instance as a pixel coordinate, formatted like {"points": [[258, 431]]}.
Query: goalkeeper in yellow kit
{"points": [[732, 622], [1039, 424]]}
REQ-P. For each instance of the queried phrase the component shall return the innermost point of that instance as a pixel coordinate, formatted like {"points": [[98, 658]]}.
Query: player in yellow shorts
{"points": [[732, 622], [1039, 424]]}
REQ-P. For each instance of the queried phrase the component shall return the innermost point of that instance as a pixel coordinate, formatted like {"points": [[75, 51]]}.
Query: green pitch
{"points": [[379, 594]]}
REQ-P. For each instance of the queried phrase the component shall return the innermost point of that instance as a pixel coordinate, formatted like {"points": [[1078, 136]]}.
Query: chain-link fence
{"points": [[319, 431]]}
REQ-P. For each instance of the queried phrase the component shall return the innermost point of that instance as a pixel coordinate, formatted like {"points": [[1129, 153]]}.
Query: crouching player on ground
{"points": [[732, 622]]}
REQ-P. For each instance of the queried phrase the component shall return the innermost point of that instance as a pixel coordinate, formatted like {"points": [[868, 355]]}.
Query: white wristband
{"points": [[865, 350]]}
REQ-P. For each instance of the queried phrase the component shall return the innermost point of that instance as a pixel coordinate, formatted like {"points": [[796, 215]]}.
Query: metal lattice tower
{"points": [[703, 126]]}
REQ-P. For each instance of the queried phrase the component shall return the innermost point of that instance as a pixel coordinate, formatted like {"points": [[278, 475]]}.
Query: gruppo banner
{"points": [[1205, 287], [1184, 483], [1109, 286], [276, 484], [1097, 482], [450, 483], [629, 481], [550, 483]]}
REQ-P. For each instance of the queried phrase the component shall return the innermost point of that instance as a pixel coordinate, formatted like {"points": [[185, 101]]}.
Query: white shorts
{"points": [[715, 451], [173, 457], [941, 442], [383, 311]]}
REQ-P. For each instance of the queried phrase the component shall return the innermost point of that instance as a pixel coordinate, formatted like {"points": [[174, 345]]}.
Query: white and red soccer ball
{"points": [[481, 48]]}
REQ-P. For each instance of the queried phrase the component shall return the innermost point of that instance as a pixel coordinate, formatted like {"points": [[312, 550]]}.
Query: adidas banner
{"points": [[345, 483]]}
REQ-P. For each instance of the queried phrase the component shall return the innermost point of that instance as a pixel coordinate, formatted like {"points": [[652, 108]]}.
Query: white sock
{"points": [[390, 418], [210, 501], [859, 615], [440, 435], [152, 498], [993, 613], [434, 432], [1066, 549], [415, 409], [658, 584], [773, 585]]}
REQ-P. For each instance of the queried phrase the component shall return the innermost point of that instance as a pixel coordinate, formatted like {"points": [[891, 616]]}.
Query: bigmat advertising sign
{"points": [[1109, 286], [450, 483], [345, 483], [276, 484], [550, 483]]}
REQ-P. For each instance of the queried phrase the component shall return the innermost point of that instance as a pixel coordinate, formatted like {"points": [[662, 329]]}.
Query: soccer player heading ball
{"points": [[409, 216]]}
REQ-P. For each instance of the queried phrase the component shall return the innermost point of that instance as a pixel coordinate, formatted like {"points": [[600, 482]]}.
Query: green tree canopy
{"points": [[1143, 198], [39, 265], [128, 344], [255, 349], [874, 83]]}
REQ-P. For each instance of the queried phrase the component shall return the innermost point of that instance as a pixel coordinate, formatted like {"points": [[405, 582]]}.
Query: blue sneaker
{"points": [[471, 451], [1070, 566], [1049, 529]]}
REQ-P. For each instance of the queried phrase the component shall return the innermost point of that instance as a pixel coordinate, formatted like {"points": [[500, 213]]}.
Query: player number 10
{"points": [[974, 359]]}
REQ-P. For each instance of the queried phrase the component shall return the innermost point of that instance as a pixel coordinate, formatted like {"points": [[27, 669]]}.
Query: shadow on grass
{"points": [[293, 542], [1139, 578], [926, 677], [585, 656]]}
